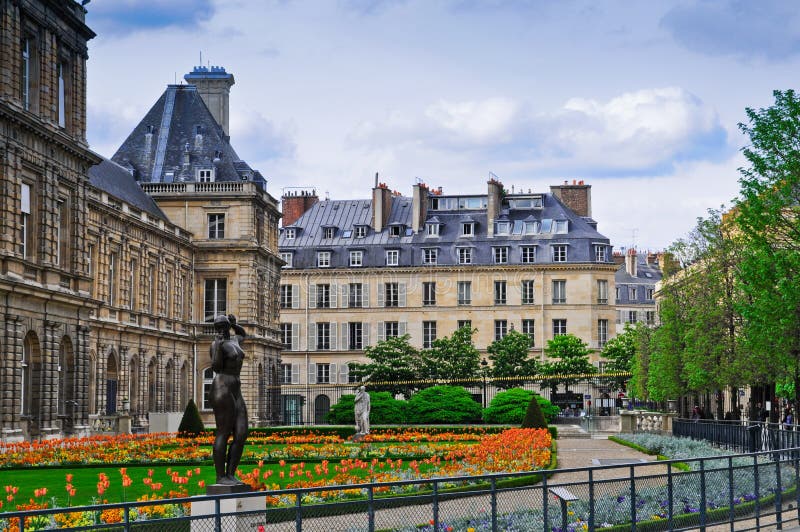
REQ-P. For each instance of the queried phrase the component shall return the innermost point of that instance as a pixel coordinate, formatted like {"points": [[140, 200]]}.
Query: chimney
{"points": [[618, 257], [419, 206], [381, 205], [294, 204], [577, 196], [631, 262], [214, 86], [494, 204]]}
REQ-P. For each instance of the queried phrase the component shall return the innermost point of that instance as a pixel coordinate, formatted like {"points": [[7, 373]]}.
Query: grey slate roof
{"points": [[647, 275], [117, 181], [346, 214], [180, 124]]}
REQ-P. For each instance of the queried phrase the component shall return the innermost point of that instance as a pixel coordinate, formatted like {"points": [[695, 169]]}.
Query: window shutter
{"points": [[365, 295], [312, 373], [344, 373], [381, 294], [401, 293], [345, 299], [312, 296], [345, 330], [333, 374], [333, 336], [401, 328], [295, 336], [365, 335], [381, 331], [295, 296], [333, 296], [295, 373], [312, 336]]}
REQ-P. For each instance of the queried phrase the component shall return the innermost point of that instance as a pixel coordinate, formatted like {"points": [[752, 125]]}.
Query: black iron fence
{"points": [[596, 395], [743, 436], [750, 491]]}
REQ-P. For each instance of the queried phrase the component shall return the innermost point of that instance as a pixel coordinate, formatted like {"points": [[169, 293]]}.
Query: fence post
{"points": [[633, 500], [778, 495], [591, 500], [757, 490], [797, 479], [435, 505], [670, 494], [298, 517], [730, 491], [545, 497], [217, 516], [494, 504], [702, 494], [371, 508], [126, 517]]}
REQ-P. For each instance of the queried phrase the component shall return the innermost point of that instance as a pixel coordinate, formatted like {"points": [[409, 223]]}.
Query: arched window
{"points": [[133, 375], [208, 378], [322, 405], [66, 378], [184, 386], [31, 376], [152, 386], [112, 383], [92, 382]]}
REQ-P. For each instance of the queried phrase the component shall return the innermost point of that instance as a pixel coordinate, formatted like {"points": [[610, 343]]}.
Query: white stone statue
{"points": [[362, 411]]}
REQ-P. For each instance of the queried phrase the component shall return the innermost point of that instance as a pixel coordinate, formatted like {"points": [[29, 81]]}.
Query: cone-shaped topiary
{"points": [[191, 423], [534, 418]]}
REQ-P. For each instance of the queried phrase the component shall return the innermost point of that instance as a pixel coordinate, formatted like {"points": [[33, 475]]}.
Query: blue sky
{"points": [[639, 99]]}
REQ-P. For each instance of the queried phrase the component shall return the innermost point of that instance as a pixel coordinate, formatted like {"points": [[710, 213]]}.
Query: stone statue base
{"points": [[237, 514], [358, 437]]}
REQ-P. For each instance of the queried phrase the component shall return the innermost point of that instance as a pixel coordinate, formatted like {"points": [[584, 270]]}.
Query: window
{"points": [[632, 315], [503, 228], [602, 332], [26, 74], [396, 230], [25, 225], [287, 258], [286, 336], [528, 255], [500, 255], [216, 226], [560, 226], [602, 292], [499, 292], [533, 227], [650, 293], [632, 293], [428, 294], [559, 292], [328, 232], [430, 256], [323, 336], [361, 231], [215, 298], [356, 258], [432, 229], [287, 295], [347, 233], [391, 329], [323, 296], [208, 379], [527, 293], [61, 69], [290, 233], [559, 327], [617, 293], [323, 373], [355, 295], [323, 259], [464, 292], [559, 252], [356, 336], [599, 253], [464, 323], [468, 229], [205, 175], [528, 327], [112, 279], [391, 295], [428, 334], [286, 374], [465, 255], [500, 329], [650, 317], [392, 257]]}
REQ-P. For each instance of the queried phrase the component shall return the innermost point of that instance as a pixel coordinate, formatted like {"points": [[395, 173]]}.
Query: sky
{"points": [[641, 100]]}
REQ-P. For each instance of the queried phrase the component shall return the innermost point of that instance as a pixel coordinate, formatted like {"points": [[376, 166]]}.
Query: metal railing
{"points": [[750, 491]]}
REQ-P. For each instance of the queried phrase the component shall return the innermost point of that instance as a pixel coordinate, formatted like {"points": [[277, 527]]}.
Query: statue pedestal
{"points": [[358, 437], [237, 514]]}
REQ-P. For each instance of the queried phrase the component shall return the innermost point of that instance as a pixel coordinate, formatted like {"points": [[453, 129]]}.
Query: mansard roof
{"points": [[179, 136], [647, 275], [581, 236], [118, 182]]}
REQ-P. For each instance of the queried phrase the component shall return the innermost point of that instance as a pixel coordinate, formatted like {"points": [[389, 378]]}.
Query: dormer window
{"points": [[599, 253], [328, 232], [287, 258], [432, 229], [503, 228], [533, 227], [361, 231], [468, 229], [560, 226], [396, 230], [205, 175], [290, 233]]}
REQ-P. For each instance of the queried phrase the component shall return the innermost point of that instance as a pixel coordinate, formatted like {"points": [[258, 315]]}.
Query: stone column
{"points": [[51, 376], [160, 384], [82, 371], [11, 395], [143, 387], [102, 361], [124, 377]]}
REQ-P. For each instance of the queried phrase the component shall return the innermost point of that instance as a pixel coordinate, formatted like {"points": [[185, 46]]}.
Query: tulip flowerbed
{"points": [[68, 473]]}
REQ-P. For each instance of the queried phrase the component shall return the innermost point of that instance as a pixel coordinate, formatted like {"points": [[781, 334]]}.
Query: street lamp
{"points": [[484, 371]]}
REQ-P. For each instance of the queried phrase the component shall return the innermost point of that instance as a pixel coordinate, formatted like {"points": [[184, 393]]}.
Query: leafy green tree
{"points": [[443, 404], [452, 358], [620, 353], [384, 410], [510, 359], [571, 358], [393, 367]]}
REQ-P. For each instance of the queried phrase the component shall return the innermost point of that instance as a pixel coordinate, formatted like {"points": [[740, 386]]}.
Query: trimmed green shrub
{"points": [[384, 410], [508, 407], [443, 404], [534, 418], [191, 423]]}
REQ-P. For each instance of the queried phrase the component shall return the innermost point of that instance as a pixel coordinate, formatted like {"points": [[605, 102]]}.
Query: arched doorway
{"points": [[112, 383], [322, 405], [32, 382], [67, 401]]}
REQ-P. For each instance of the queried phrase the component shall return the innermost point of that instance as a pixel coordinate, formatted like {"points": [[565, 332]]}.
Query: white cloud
{"points": [[487, 121]]}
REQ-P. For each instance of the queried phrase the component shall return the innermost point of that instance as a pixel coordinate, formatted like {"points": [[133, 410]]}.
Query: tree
{"points": [[191, 423], [509, 357], [571, 356], [443, 404], [534, 418], [453, 358], [394, 366], [509, 407], [620, 353]]}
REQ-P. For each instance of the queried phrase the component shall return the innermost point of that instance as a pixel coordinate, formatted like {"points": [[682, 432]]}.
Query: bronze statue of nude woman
{"points": [[230, 412]]}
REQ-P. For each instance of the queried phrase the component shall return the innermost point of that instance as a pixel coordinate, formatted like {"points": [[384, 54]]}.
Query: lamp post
{"points": [[484, 370]]}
